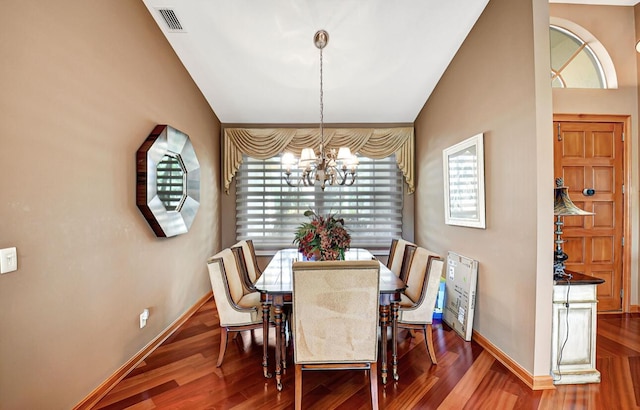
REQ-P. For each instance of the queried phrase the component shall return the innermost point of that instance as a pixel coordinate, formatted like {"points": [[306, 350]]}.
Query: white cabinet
{"points": [[573, 350]]}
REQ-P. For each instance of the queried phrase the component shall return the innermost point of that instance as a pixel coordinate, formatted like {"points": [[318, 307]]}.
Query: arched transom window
{"points": [[574, 64]]}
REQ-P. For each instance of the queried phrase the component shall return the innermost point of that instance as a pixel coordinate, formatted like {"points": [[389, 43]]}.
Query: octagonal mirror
{"points": [[168, 181]]}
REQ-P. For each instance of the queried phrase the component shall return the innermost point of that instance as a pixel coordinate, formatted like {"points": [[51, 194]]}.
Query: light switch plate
{"points": [[8, 260]]}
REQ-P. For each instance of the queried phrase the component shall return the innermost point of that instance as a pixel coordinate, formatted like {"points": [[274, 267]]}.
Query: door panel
{"points": [[590, 155]]}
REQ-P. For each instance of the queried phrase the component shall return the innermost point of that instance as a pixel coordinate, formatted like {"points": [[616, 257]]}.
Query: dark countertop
{"points": [[578, 279]]}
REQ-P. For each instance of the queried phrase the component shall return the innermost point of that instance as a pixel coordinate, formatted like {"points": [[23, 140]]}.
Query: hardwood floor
{"points": [[182, 374]]}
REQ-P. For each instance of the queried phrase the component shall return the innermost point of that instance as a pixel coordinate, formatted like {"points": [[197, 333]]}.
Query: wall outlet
{"points": [[8, 260], [143, 318]]}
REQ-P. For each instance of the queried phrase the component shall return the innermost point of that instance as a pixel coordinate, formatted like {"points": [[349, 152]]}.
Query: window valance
{"points": [[263, 143]]}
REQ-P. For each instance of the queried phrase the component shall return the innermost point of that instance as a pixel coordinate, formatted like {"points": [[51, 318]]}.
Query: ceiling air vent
{"points": [[171, 19]]}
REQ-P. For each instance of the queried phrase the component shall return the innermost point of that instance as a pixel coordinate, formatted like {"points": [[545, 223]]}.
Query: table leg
{"points": [[265, 339], [278, 319], [384, 321], [394, 339], [283, 346]]}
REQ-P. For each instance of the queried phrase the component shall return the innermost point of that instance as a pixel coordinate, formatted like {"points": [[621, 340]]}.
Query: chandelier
{"points": [[328, 167]]}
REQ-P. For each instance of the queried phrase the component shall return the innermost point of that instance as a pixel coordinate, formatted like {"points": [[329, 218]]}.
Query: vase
{"points": [[314, 257]]}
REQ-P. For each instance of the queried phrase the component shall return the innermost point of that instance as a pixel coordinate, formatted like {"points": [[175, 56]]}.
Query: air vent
{"points": [[171, 19]]}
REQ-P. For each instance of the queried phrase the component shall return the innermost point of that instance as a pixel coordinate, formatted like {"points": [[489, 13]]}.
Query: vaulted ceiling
{"points": [[255, 61]]}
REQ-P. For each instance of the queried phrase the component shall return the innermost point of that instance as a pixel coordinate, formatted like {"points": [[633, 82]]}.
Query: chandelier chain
{"points": [[321, 108]]}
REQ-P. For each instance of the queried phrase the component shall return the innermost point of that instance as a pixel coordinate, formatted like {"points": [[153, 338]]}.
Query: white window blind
{"points": [[268, 211]]}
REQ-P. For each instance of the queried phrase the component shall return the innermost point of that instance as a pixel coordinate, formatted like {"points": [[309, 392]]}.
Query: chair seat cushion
{"points": [[252, 300], [406, 302]]}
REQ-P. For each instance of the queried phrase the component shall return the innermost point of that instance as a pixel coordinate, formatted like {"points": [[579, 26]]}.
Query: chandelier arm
{"points": [[287, 179], [341, 174]]}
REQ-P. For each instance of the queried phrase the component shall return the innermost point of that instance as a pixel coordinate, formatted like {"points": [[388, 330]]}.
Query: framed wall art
{"points": [[463, 169]]}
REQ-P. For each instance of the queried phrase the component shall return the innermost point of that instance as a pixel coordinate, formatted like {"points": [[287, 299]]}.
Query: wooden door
{"points": [[590, 155]]}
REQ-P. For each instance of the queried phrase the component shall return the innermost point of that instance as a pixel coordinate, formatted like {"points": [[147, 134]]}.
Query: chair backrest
{"points": [[396, 255], [248, 285], [335, 311], [423, 283], [407, 257], [227, 287], [250, 260]]}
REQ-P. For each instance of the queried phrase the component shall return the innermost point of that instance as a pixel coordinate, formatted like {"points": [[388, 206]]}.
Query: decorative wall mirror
{"points": [[168, 181]]}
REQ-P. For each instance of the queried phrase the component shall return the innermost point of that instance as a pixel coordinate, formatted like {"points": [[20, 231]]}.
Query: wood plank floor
{"points": [[182, 374]]}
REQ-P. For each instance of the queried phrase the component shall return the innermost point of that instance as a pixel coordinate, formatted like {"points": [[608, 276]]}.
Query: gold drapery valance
{"points": [[264, 143]]}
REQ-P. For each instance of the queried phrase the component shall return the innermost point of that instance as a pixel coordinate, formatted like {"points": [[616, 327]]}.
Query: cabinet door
{"points": [[573, 349]]}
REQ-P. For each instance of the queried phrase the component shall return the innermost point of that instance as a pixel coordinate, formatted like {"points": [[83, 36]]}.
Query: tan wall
{"points": [[498, 84], [83, 84], [636, 284], [614, 27]]}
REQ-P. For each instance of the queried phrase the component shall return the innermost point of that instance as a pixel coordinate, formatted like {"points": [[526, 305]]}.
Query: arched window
{"points": [[573, 62], [578, 58]]}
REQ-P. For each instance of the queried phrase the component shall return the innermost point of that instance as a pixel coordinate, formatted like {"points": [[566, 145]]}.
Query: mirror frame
{"points": [[164, 140]]}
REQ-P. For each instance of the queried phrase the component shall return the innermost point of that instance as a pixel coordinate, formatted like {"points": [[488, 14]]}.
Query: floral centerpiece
{"points": [[323, 238]]}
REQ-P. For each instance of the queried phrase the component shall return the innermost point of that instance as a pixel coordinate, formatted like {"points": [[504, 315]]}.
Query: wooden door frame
{"points": [[626, 166]]}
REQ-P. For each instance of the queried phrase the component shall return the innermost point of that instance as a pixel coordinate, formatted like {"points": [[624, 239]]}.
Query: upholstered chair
{"points": [[400, 253], [335, 314], [419, 299], [247, 263], [237, 311]]}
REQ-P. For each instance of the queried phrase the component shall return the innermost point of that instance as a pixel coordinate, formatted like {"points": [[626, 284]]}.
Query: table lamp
{"points": [[562, 207]]}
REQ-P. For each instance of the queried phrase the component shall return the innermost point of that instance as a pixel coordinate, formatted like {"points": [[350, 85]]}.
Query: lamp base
{"points": [[559, 273]]}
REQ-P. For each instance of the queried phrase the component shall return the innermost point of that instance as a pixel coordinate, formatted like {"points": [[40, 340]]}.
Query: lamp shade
{"points": [[563, 206], [352, 163], [307, 156], [344, 154], [288, 159]]}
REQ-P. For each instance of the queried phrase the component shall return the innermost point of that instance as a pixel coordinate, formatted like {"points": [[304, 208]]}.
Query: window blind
{"points": [[268, 211]]}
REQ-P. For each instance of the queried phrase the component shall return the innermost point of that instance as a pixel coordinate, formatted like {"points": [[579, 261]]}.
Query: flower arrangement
{"points": [[324, 237]]}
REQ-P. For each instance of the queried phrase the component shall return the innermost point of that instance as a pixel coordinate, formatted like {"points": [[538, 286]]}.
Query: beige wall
{"points": [[635, 230], [614, 27], [498, 84], [83, 84]]}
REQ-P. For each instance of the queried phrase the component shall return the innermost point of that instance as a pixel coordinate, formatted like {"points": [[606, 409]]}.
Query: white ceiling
{"points": [[255, 61]]}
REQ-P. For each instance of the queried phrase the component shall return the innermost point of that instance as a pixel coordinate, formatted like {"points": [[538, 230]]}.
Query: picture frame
{"points": [[463, 170]]}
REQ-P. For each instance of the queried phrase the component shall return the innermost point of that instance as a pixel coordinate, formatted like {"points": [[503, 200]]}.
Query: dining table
{"points": [[276, 288]]}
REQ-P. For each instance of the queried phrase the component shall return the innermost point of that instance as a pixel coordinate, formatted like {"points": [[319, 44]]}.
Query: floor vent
{"points": [[171, 19]]}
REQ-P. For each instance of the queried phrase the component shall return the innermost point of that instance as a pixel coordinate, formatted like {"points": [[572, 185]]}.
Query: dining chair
{"points": [[335, 315], [419, 299], [237, 311], [248, 264], [400, 253], [250, 272]]}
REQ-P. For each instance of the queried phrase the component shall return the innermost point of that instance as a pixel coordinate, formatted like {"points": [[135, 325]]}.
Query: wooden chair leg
{"points": [[298, 386], [373, 380], [223, 345], [428, 337], [283, 347]]}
